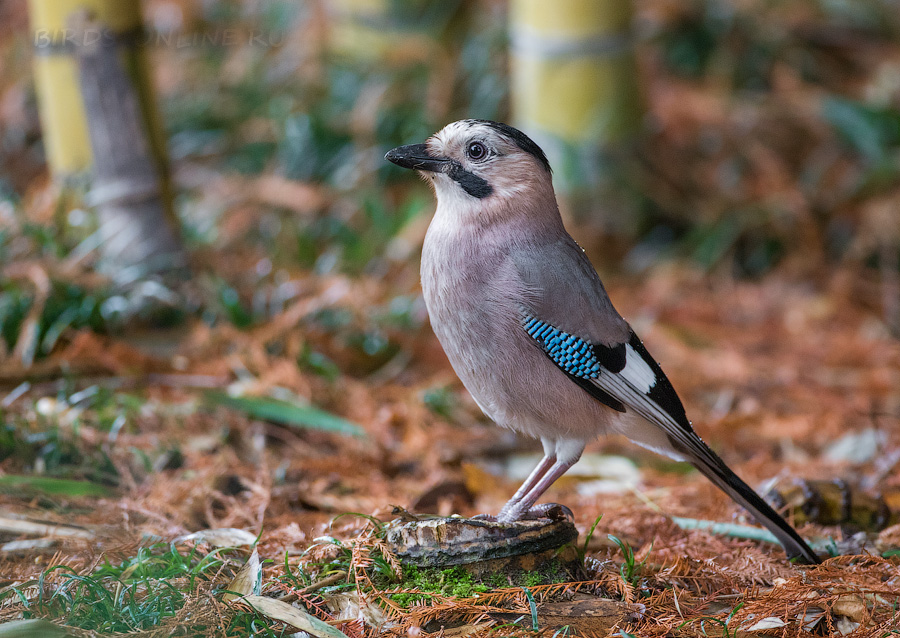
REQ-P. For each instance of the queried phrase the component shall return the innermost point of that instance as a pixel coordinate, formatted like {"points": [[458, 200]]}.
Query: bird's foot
{"points": [[552, 511], [488, 518]]}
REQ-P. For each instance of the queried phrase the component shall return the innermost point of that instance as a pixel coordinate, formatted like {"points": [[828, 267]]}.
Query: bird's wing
{"points": [[571, 318], [575, 325], [624, 375], [569, 315], [562, 288]]}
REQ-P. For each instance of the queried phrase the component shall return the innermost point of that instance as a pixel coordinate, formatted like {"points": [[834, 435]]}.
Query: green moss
{"points": [[531, 579], [460, 583], [407, 600], [450, 581], [554, 571], [499, 580]]}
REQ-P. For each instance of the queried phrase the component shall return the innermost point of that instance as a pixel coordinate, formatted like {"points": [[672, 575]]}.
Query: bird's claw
{"points": [[556, 512], [488, 518], [552, 511]]}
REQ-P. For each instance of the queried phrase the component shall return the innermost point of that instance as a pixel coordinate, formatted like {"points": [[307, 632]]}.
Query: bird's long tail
{"points": [[714, 468]]}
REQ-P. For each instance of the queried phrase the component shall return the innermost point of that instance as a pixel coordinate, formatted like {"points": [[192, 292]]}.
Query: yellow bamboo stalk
{"points": [[56, 79], [573, 76]]}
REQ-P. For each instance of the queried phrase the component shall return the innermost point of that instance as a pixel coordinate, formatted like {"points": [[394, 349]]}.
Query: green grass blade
{"points": [[285, 413], [12, 484], [727, 529], [532, 605]]}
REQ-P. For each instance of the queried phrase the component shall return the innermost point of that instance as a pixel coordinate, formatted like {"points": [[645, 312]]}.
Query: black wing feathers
{"points": [[625, 377], [662, 393], [613, 359], [601, 395]]}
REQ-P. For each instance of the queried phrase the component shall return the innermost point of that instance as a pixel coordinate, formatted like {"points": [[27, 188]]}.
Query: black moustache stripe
{"points": [[470, 182]]}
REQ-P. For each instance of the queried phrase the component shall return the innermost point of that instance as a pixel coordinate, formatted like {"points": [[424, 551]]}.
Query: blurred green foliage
{"points": [[737, 51], [289, 413], [312, 132], [871, 131], [30, 486], [66, 445], [300, 111], [67, 306]]}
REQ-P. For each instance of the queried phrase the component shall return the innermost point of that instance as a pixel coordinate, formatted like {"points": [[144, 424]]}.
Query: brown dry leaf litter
{"points": [[798, 369]]}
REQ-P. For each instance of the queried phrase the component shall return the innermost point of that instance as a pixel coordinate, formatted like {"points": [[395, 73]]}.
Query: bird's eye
{"points": [[476, 151]]}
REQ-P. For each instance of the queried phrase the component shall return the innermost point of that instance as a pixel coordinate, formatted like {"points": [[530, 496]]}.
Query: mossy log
{"points": [[487, 548]]}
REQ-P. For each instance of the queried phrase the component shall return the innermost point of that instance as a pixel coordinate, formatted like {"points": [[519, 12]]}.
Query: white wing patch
{"points": [[637, 372]]}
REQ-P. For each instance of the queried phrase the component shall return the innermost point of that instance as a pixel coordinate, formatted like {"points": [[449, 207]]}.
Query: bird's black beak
{"points": [[416, 157]]}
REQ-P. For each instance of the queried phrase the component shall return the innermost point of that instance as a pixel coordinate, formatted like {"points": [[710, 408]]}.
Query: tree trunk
{"points": [[56, 78], [140, 240], [574, 81]]}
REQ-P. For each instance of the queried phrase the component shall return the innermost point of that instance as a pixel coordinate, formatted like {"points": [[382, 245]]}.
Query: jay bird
{"points": [[528, 327]]}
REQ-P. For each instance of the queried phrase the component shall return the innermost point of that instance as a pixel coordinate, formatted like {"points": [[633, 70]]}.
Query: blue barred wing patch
{"points": [[621, 375], [584, 362], [573, 354]]}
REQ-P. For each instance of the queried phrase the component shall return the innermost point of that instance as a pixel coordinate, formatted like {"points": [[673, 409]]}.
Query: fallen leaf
{"points": [[28, 545], [349, 607], [856, 447], [282, 612], [845, 626], [35, 528], [771, 622], [221, 537], [247, 581], [853, 607], [812, 617]]}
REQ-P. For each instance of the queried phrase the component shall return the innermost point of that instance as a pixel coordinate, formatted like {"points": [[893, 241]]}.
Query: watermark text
{"points": [[73, 39]]}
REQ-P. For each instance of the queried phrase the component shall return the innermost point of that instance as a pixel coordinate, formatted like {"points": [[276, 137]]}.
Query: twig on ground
{"points": [[332, 579]]}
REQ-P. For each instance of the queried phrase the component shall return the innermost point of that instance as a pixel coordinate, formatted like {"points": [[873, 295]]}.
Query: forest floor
{"points": [[785, 380], [299, 400]]}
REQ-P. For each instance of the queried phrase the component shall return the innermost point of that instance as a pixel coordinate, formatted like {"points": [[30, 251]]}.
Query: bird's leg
{"points": [[536, 475], [522, 509], [566, 452]]}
